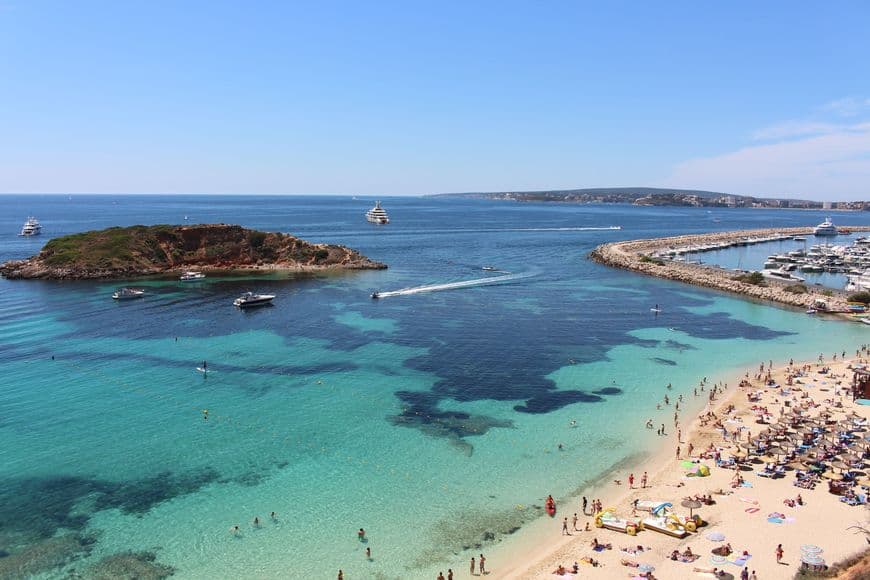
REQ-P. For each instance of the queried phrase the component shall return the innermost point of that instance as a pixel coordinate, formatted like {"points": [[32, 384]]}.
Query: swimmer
{"points": [[361, 535], [573, 423], [234, 529], [273, 515], [368, 553], [560, 447], [256, 521]]}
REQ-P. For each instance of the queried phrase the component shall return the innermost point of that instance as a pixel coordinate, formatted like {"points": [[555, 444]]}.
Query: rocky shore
{"points": [[638, 256], [138, 251]]}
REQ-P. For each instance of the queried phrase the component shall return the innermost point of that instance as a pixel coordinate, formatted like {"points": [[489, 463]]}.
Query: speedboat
{"points": [[377, 215], [250, 299], [192, 276], [31, 227], [781, 275], [128, 293], [826, 228], [375, 295], [489, 268]]}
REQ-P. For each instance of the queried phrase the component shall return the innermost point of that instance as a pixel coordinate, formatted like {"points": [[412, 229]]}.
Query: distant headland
{"points": [[661, 197], [134, 251]]}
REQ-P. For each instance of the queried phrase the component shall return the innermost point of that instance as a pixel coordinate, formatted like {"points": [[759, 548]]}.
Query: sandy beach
{"points": [[755, 516]]}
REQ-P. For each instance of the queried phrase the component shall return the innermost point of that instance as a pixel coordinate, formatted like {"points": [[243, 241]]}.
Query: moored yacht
{"points": [[31, 227], [781, 275], [192, 276], [127, 293], [826, 228], [377, 215], [250, 299]]}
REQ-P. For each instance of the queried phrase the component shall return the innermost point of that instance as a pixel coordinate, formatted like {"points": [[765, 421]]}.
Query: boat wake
{"points": [[456, 285]]}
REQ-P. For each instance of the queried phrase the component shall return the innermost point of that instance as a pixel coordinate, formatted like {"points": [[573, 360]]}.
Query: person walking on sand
{"points": [[585, 503], [565, 527], [779, 554], [482, 565], [440, 575], [630, 481], [643, 480], [575, 523], [472, 565], [678, 451], [449, 574]]}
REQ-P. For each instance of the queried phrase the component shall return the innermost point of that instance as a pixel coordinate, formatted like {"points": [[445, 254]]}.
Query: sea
{"points": [[437, 418]]}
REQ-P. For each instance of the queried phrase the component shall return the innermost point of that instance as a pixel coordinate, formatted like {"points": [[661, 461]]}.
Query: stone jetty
{"points": [[644, 256]]}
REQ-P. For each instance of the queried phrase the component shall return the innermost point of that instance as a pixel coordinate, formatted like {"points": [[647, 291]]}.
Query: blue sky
{"points": [[766, 98]]}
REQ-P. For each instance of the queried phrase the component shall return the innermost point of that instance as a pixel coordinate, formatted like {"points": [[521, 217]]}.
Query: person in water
{"points": [[204, 366], [361, 535], [256, 521], [368, 553]]}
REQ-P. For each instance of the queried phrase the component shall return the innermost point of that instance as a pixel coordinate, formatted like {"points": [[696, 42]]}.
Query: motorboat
{"points": [[377, 215], [31, 227], [781, 275], [128, 293], [488, 268], [249, 299], [192, 276], [375, 295], [826, 228], [799, 239]]}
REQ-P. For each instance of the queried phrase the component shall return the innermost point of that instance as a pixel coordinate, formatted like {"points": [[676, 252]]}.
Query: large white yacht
{"points": [[377, 215], [250, 299], [826, 228], [31, 227]]}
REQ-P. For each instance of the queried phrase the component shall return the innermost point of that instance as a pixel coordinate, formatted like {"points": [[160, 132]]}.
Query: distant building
{"points": [[826, 205]]}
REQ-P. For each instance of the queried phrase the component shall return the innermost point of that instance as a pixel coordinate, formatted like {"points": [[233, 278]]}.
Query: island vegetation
{"points": [[124, 252]]}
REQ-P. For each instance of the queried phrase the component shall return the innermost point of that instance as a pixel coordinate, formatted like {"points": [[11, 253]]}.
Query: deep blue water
{"points": [[338, 399]]}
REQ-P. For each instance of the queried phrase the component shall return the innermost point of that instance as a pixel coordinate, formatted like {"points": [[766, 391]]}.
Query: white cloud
{"points": [[847, 107], [791, 129], [816, 161]]}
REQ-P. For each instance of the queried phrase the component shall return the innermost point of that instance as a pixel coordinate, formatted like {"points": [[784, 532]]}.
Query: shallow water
{"points": [[431, 419]]}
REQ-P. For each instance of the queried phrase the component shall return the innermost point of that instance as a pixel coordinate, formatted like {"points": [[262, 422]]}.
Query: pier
{"points": [[655, 257]]}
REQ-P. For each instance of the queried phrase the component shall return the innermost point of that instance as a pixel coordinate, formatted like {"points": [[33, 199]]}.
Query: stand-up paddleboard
{"points": [[656, 310], [202, 370]]}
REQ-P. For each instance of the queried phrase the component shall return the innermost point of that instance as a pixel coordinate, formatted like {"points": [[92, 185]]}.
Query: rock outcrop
{"points": [[638, 256], [153, 250]]}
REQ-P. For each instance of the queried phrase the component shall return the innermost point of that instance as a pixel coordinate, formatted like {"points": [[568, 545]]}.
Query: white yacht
{"points": [[377, 215], [250, 299], [31, 227], [826, 228], [859, 283], [192, 276], [127, 293]]}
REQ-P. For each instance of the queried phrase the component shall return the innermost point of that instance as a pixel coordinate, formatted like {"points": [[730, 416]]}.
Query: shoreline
{"points": [[549, 552], [638, 256]]}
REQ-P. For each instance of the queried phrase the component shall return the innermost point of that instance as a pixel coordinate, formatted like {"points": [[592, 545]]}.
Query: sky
{"points": [[416, 97]]}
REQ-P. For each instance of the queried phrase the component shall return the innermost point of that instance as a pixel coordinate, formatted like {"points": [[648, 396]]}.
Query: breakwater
{"points": [[644, 256]]}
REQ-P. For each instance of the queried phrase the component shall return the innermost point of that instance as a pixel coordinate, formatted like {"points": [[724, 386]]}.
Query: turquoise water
{"points": [[432, 420]]}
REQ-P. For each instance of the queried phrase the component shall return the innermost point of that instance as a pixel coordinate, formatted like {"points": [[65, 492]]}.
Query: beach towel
{"points": [[740, 561], [599, 548]]}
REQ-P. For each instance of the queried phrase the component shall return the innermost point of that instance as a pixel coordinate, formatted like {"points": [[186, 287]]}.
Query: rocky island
{"points": [[128, 252]]}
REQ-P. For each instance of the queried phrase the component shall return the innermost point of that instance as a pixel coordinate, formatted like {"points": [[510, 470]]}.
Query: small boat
{"points": [[128, 293], [488, 268], [799, 239], [31, 227], [375, 295], [192, 276], [811, 311], [249, 299], [377, 215]]}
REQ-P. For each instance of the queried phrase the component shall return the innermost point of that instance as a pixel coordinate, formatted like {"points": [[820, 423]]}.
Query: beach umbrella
{"points": [[646, 568], [716, 537], [811, 549], [832, 476], [839, 465], [692, 504]]}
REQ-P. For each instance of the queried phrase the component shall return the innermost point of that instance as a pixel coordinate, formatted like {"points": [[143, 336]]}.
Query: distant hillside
{"points": [[653, 196], [148, 250]]}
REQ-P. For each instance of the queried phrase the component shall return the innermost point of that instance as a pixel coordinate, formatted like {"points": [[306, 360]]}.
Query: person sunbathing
{"points": [[629, 563], [590, 560], [560, 571]]}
